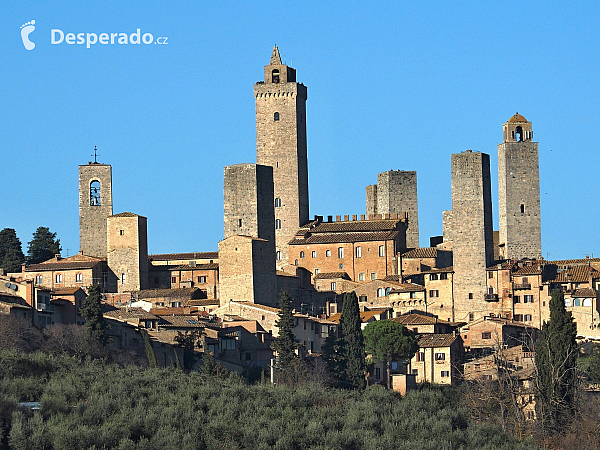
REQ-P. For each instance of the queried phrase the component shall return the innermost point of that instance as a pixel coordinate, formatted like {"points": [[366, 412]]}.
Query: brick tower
{"points": [[519, 191], [281, 144], [472, 232], [95, 205]]}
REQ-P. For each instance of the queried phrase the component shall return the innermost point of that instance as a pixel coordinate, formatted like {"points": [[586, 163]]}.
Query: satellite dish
{"points": [[14, 287], [7, 285]]}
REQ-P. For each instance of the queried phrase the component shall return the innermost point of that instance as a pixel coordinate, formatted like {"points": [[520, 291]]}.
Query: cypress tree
{"points": [[352, 340], [285, 343], [91, 311], [11, 253], [43, 246], [556, 363]]}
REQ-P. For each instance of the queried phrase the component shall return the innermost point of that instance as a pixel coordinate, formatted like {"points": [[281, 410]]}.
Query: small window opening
{"points": [[522, 208], [277, 202], [519, 132], [276, 117], [275, 76], [95, 193], [239, 222]]}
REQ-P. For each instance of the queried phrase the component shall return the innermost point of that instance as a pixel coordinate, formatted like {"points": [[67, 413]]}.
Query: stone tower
{"points": [[396, 192], [471, 231], [281, 144], [127, 252], [95, 205], [519, 191]]}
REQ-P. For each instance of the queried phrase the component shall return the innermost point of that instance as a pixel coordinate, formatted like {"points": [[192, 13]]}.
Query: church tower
{"points": [[281, 144], [95, 205], [519, 191]]}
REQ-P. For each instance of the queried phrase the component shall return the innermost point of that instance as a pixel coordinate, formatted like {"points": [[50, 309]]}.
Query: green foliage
{"points": [[593, 370], [11, 252], [556, 362], [43, 246], [387, 340], [285, 343], [212, 368], [189, 341], [152, 361], [91, 311], [352, 342]]}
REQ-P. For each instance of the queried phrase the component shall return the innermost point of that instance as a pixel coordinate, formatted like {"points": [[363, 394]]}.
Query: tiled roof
{"points": [[364, 316], [182, 256], [180, 322], [357, 225], [65, 291], [331, 275], [258, 306], [334, 238], [212, 266], [204, 302], [436, 340], [130, 313], [422, 252], [575, 274], [408, 287], [72, 262], [585, 293], [420, 319], [127, 214], [176, 293], [569, 262], [528, 270], [438, 270], [395, 278]]}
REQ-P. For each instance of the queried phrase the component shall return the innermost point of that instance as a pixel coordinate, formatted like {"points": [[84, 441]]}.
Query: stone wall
{"points": [[397, 193], [127, 244], [92, 217]]}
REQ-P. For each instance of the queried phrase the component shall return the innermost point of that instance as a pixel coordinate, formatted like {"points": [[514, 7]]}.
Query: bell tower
{"points": [[519, 191], [281, 144]]}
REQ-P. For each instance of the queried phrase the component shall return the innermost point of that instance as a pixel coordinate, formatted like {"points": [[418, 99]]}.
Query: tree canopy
{"points": [[352, 342], [11, 252], [285, 343], [91, 311], [43, 246]]}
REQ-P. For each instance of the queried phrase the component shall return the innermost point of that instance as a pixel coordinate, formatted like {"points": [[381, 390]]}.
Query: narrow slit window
{"points": [[522, 208], [276, 117]]}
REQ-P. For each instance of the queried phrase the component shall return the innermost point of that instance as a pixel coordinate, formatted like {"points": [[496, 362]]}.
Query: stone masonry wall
{"points": [[372, 199], [92, 218], [127, 244]]}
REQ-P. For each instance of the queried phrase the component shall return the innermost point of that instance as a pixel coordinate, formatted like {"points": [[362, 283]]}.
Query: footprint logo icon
{"points": [[26, 30]]}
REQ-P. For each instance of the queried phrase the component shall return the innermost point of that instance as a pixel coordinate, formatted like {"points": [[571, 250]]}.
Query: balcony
{"points": [[491, 297], [522, 286]]}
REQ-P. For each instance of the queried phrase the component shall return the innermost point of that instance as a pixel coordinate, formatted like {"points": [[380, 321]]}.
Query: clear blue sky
{"points": [[399, 85]]}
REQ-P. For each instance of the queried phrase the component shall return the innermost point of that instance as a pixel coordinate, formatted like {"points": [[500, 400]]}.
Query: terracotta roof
{"points": [[127, 214], [395, 278], [258, 306], [204, 302], [182, 256], [331, 275], [182, 321], [357, 225], [211, 266], [438, 270], [175, 293], [420, 319], [585, 293], [333, 238], [408, 287], [575, 274], [517, 118], [72, 262], [130, 313], [567, 262], [528, 270], [422, 252], [364, 316], [65, 291], [436, 340]]}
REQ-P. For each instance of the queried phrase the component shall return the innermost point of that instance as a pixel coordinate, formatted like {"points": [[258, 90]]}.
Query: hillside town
{"points": [[474, 296]]}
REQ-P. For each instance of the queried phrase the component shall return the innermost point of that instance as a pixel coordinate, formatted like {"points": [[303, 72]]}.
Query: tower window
{"points": [[59, 278], [275, 76], [95, 193], [340, 252], [358, 252], [301, 254], [277, 202], [519, 132], [278, 224], [276, 117], [240, 223], [278, 256], [122, 278], [121, 232], [522, 208]]}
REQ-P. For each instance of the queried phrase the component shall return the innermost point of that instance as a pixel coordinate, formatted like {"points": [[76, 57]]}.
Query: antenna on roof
{"points": [[95, 155]]}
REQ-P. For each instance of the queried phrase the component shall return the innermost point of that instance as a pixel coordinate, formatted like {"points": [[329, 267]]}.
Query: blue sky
{"points": [[399, 85]]}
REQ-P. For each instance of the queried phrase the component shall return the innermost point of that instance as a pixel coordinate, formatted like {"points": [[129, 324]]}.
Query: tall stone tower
{"points": [[281, 144], [472, 232], [396, 192], [95, 205], [519, 191]]}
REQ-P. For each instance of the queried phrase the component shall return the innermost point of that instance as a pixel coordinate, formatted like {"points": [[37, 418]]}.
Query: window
{"points": [[433, 276], [278, 224], [516, 299], [276, 117], [361, 276], [486, 335], [275, 76], [362, 298], [240, 223], [38, 279], [528, 299], [413, 294], [340, 252], [327, 253], [420, 356], [434, 293], [518, 318], [382, 250], [415, 371], [587, 302], [295, 262], [527, 317], [173, 279], [59, 278], [201, 279], [95, 199], [440, 356], [341, 266], [490, 274], [122, 278], [567, 302], [470, 296], [387, 291], [358, 252], [277, 202], [278, 255], [301, 254], [373, 276], [380, 292], [333, 285], [522, 208], [79, 278], [445, 373], [317, 271], [471, 317], [443, 276], [313, 254]]}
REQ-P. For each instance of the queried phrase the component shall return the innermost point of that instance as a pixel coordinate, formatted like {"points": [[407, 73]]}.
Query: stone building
{"points": [[95, 205], [519, 191], [127, 245], [396, 193], [281, 144], [472, 232]]}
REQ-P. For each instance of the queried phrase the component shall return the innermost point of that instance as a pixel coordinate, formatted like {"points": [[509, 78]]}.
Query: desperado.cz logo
{"points": [[58, 36]]}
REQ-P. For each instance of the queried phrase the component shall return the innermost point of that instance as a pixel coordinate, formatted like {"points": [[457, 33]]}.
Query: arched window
{"points": [[301, 254], [380, 292], [387, 291], [275, 76], [278, 256], [278, 224], [587, 302], [340, 252], [95, 193], [295, 262], [277, 202], [519, 133], [276, 116], [567, 302], [576, 302]]}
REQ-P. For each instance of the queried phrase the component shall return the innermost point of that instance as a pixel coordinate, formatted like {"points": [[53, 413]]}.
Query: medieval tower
{"points": [[281, 144], [471, 232], [95, 205], [519, 191], [396, 192]]}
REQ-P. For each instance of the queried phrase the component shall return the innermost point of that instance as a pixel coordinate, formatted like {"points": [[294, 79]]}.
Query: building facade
{"points": [[95, 205]]}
